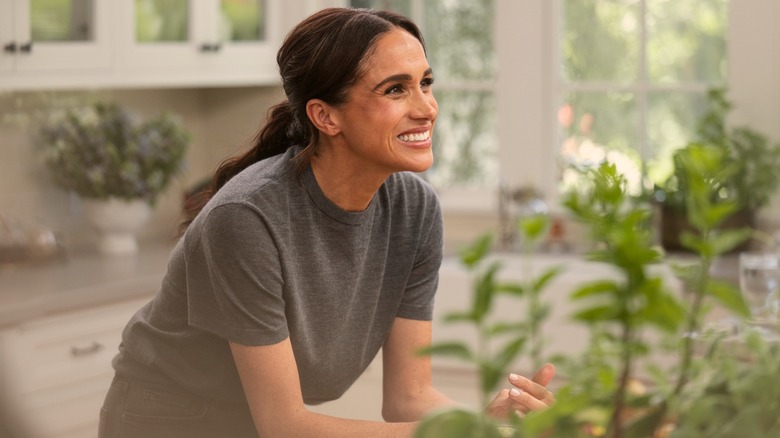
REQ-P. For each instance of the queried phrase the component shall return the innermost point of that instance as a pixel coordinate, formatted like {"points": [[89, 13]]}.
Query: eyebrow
{"points": [[400, 78]]}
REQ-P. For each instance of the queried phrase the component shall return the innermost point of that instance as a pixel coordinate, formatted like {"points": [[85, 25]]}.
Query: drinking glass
{"points": [[758, 280]]}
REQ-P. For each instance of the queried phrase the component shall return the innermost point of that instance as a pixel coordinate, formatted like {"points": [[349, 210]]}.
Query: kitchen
{"points": [[222, 104]]}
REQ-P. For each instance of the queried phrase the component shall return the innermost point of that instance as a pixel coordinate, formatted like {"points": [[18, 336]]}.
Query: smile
{"points": [[422, 136]]}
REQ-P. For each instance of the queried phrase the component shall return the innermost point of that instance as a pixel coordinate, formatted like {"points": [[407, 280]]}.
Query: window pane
{"points": [[673, 119], [459, 36], [401, 6], [61, 20], [242, 20], [464, 141], [686, 40], [600, 40], [598, 126], [161, 21]]}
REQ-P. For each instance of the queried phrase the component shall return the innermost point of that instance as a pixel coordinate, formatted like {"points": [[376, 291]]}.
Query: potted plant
{"points": [[117, 163], [753, 183]]}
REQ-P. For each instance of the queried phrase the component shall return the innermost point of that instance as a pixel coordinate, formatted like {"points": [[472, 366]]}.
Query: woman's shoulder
{"points": [[412, 189]]}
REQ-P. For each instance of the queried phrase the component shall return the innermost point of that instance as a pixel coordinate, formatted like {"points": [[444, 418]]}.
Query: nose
{"points": [[425, 106]]}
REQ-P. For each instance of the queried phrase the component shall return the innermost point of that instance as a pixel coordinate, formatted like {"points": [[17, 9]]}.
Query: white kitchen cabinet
{"points": [[55, 370], [47, 39], [199, 41], [67, 44]]}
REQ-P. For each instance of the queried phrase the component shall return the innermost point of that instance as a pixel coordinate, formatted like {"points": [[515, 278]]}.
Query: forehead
{"points": [[394, 52]]}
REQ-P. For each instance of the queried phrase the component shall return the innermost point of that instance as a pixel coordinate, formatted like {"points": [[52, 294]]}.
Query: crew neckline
{"points": [[328, 207]]}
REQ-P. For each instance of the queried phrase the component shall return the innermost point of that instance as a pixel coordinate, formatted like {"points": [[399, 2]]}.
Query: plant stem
{"points": [[693, 323]]}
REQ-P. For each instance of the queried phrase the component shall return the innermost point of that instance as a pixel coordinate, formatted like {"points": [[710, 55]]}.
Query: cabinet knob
{"points": [[10, 47], [90, 349], [26, 47]]}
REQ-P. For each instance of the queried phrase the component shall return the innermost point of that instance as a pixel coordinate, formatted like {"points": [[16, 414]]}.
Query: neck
{"points": [[345, 184]]}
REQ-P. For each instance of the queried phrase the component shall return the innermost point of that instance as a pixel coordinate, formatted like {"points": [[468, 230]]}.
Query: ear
{"points": [[323, 116]]}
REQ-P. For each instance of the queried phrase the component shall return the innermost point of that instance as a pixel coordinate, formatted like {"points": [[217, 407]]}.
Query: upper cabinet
{"points": [[191, 41], [131, 43], [42, 38]]}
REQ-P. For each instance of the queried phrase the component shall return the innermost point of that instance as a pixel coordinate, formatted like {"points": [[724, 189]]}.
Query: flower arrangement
{"points": [[103, 151]]}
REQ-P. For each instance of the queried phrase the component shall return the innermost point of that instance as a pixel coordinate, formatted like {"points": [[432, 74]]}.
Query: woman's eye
{"points": [[427, 82], [395, 89]]}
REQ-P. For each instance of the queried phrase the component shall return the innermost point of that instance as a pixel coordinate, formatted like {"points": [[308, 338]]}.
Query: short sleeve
{"points": [[418, 299], [234, 278]]}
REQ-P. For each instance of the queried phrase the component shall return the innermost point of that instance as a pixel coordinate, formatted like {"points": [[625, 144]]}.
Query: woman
{"points": [[318, 247]]}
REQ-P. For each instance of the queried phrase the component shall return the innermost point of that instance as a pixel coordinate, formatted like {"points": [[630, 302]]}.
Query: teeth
{"points": [[415, 137]]}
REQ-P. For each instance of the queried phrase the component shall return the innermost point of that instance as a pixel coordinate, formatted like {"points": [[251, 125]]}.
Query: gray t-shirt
{"points": [[270, 257]]}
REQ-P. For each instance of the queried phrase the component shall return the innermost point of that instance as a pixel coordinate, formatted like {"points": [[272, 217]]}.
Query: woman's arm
{"points": [[408, 392], [269, 376]]}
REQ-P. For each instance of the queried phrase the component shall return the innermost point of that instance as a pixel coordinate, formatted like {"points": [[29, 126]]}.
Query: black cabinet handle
{"points": [[210, 47], [10, 47], [26, 47]]}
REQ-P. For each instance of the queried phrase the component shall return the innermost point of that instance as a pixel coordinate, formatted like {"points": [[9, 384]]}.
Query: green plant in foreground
{"points": [[511, 335]]}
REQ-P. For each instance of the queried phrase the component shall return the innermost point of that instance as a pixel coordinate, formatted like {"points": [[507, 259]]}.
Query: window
{"points": [[633, 81], [460, 44], [642, 104]]}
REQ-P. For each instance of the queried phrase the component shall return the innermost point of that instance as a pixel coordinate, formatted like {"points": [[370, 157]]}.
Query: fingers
{"points": [[545, 374], [525, 402], [533, 389]]}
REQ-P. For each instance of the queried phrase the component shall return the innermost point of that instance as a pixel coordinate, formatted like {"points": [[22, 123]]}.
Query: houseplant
{"points": [[109, 157], [755, 179], [603, 394]]}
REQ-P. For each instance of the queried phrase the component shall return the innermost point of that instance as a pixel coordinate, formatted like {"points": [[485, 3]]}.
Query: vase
{"points": [[117, 222]]}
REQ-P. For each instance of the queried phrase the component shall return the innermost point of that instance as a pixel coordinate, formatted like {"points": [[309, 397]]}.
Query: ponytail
{"points": [[280, 132]]}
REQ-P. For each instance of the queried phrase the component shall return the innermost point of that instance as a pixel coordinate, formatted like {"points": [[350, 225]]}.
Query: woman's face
{"points": [[388, 118]]}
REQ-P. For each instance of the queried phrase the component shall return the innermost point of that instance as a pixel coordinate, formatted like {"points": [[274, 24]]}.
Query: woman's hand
{"points": [[527, 394]]}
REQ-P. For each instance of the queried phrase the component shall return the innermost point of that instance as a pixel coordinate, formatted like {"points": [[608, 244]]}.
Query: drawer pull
{"points": [[86, 351]]}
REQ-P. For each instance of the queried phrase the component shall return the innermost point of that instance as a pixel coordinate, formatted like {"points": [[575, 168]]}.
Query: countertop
{"points": [[78, 281]]}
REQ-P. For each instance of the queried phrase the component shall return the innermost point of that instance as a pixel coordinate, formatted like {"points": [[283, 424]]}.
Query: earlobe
{"points": [[323, 117]]}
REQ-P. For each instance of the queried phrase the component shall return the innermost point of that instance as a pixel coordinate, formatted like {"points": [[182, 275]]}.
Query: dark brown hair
{"points": [[321, 58]]}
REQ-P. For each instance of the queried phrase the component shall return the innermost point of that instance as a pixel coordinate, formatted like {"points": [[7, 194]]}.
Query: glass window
{"points": [[241, 20], [61, 20], [161, 21], [459, 40], [634, 78]]}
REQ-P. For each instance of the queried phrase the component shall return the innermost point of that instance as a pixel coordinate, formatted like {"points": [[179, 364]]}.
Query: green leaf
{"points": [[484, 291], [533, 227], [509, 353], [594, 288], [547, 276], [726, 240], [500, 328], [476, 252], [459, 317], [603, 313], [451, 349], [728, 296], [457, 423]]}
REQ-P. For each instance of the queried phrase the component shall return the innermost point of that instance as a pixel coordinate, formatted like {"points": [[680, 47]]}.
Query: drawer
{"points": [[59, 351]]}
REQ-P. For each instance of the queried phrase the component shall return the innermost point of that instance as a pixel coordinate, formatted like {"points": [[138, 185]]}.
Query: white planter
{"points": [[117, 221]]}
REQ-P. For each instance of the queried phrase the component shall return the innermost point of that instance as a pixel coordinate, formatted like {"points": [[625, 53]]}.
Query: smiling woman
{"points": [[312, 251]]}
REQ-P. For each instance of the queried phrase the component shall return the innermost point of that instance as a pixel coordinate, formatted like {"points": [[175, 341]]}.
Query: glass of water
{"points": [[758, 280]]}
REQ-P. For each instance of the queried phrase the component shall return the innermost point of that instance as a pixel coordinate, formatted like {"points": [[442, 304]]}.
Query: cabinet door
{"points": [[55, 371], [60, 35], [6, 35], [198, 42]]}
